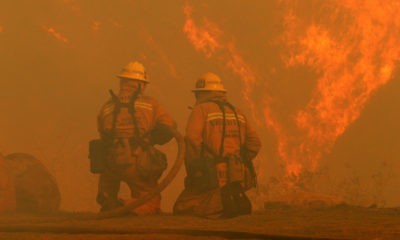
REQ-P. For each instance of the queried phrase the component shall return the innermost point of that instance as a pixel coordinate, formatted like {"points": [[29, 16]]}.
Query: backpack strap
{"points": [[238, 124], [221, 147], [221, 105], [248, 162], [131, 108]]}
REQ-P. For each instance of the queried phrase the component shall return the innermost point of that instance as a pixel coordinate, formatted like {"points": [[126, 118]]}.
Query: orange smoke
{"points": [[73, 6], [95, 26], [115, 23], [57, 35], [163, 56]]}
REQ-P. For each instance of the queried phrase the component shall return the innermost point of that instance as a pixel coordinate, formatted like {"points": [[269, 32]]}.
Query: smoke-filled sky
{"points": [[318, 79]]}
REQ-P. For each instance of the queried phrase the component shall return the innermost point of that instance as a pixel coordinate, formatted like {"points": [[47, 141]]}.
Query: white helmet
{"points": [[134, 70], [209, 82]]}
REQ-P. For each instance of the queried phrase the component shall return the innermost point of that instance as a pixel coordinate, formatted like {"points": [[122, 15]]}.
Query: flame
{"points": [[354, 60], [57, 35], [203, 39]]}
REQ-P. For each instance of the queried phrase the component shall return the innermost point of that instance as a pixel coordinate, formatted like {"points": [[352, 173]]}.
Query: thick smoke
{"points": [[277, 59]]}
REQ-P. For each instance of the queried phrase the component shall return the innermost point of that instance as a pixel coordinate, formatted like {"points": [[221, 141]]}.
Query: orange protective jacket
{"points": [[204, 127], [152, 119]]}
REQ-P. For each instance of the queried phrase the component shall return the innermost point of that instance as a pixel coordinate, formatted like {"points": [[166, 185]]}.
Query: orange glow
{"points": [[57, 35], [1, 29]]}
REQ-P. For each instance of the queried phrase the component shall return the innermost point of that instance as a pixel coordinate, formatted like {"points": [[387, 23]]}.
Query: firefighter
{"points": [[130, 124], [220, 147]]}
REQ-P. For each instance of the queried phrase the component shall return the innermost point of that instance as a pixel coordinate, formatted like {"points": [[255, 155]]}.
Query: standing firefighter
{"points": [[220, 146], [130, 124]]}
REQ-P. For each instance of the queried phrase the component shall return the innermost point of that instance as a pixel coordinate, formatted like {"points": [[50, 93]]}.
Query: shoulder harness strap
{"points": [[221, 105], [131, 108]]}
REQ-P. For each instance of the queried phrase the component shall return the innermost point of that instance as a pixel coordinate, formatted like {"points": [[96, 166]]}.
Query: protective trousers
{"points": [[109, 185]]}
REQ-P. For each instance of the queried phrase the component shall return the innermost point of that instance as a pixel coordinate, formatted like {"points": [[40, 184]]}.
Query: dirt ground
{"points": [[277, 222]]}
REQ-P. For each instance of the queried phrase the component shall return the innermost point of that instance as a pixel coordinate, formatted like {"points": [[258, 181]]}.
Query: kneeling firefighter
{"points": [[130, 124], [220, 147]]}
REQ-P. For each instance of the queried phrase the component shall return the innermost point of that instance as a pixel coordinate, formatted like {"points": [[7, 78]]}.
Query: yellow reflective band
{"points": [[107, 110], [144, 105], [212, 116], [227, 118]]}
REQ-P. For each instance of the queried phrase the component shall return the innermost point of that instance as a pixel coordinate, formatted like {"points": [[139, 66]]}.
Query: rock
{"points": [[36, 190]]}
